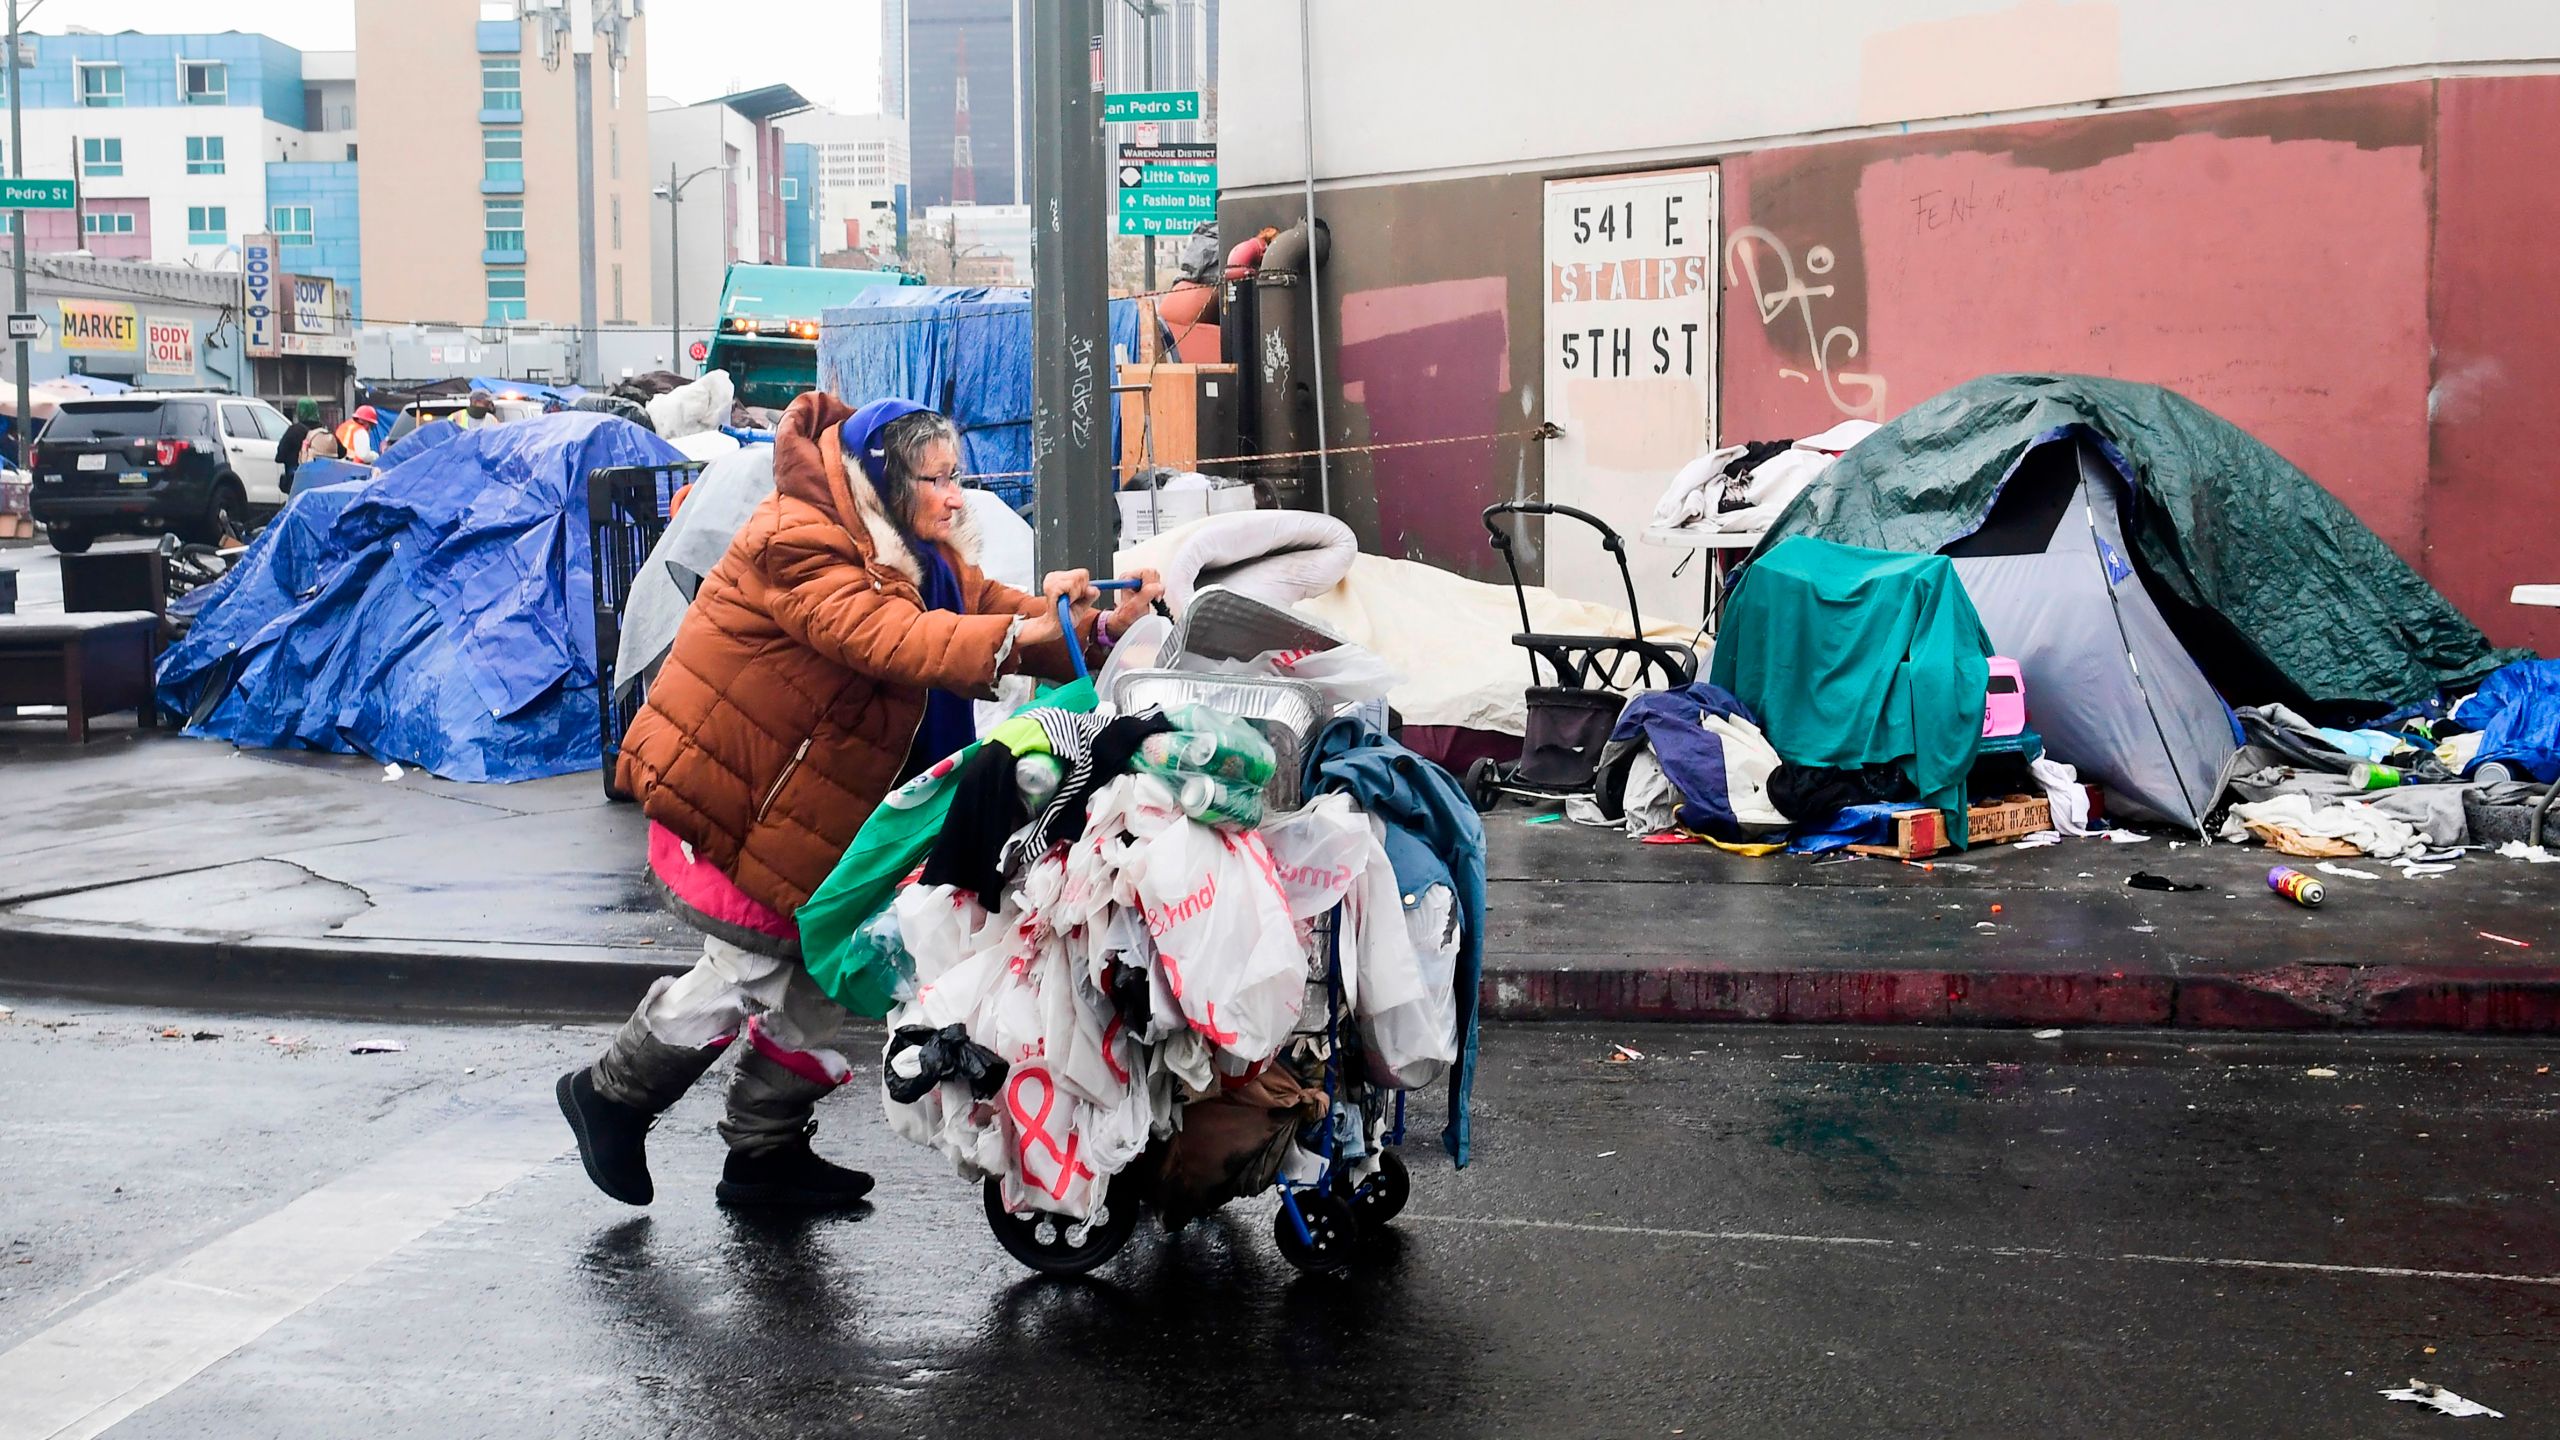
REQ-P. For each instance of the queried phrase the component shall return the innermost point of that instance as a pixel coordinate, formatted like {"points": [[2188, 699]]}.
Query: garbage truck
{"points": [[767, 337]]}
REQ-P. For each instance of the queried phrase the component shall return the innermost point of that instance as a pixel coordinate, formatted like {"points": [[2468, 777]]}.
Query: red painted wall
{"points": [[2267, 258], [2495, 407]]}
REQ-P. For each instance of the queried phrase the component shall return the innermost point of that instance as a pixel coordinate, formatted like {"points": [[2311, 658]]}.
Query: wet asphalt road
{"points": [[1747, 1232]]}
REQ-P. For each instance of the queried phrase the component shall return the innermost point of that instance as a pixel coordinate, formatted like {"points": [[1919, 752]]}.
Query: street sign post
{"points": [[25, 325], [1133, 106], [38, 194], [1167, 189]]}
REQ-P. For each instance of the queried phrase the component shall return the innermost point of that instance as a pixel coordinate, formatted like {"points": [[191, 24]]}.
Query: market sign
{"points": [[258, 294], [102, 325], [1136, 105], [1167, 189], [172, 346]]}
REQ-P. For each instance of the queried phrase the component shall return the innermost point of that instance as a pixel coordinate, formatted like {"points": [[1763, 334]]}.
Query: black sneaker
{"points": [[613, 1139], [791, 1178]]}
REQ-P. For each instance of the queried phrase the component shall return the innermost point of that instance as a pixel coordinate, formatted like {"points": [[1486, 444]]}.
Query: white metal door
{"points": [[1630, 371]]}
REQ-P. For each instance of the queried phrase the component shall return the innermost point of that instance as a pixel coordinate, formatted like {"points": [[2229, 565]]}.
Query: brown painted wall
{"points": [[2361, 278], [1432, 330], [2493, 411]]}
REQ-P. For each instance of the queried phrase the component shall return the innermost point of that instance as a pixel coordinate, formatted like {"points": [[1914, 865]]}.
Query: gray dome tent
{"points": [[2145, 560]]}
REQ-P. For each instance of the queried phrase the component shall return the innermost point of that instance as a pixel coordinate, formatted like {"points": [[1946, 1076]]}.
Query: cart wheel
{"points": [[1333, 1233], [1057, 1245], [1381, 1197], [1484, 784]]}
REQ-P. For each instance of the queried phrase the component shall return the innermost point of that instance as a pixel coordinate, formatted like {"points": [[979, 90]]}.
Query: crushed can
{"points": [[2301, 889], [2365, 776]]}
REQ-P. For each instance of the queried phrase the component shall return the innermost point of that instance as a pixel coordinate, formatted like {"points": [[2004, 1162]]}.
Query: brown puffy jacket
{"points": [[798, 678]]}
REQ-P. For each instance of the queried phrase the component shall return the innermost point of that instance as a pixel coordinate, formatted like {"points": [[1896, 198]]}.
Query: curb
{"points": [[2295, 997], [376, 979], [356, 978]]}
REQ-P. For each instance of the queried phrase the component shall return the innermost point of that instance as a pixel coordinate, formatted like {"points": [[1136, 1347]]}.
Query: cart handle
{"points": [[1609, 540], [1067, 624]]}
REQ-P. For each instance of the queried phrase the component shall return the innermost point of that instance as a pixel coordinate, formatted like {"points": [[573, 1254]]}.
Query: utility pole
{"points": [[582, 66], [1148, 10], [24, 427], [673, 193], [1070, 288]]}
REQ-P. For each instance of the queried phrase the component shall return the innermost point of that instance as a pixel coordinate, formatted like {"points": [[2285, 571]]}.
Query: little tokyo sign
{"points": [[1167, 189]]}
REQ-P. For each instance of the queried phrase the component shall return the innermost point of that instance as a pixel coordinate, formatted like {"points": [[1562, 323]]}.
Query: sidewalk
{"points": [[165, 870]]}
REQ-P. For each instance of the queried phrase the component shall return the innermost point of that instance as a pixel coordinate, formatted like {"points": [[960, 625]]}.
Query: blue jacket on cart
{"points": [[1434, 837]]}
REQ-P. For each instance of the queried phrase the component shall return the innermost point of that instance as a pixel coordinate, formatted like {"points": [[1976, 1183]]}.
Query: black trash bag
{"points": [[1201, 262], [946, 1054]]}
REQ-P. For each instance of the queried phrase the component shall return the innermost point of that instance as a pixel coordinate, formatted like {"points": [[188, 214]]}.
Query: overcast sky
{"points": [[698, 49]]}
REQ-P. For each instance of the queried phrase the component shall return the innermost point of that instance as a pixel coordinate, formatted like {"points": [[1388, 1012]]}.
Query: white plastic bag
{"points": [[1347, 674], [1413, 1043], [1223, 936]]}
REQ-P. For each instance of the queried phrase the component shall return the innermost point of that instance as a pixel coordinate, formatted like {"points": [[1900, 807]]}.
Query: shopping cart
{"points": [[1342, 1180]]}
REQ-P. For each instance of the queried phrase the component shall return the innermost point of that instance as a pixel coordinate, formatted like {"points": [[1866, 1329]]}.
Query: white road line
{"points": [[1757, 1237], [147, 1338]]}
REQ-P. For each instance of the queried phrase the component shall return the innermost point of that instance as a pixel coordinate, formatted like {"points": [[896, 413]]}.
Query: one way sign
{"points": [[24, 326]]}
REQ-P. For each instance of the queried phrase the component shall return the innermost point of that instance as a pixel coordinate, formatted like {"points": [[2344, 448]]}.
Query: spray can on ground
{"points": [[2366, 776], [2297, 887]]}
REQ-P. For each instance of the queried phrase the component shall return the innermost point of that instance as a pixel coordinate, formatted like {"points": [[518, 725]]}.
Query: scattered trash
{"points": [[206, 1035], [172, 1032], [2144, 929], [1605, 1154], [2125, 837], [1623, 1055], [2177, 844], [2541, 1069], [2503, 940], [1549, 818], [2036, 841], [392, 772], [288, 1042], [2321, 1072], [470, 1069], [1995, 909], [2087, 875], [6, 1012], [2297, 887], [1673, 837], [1984, 925], [2518, 850], [2326, 867], [376, 1047], [2439, 1398], [2049, 1034], [646, 940], [2145, 880]]}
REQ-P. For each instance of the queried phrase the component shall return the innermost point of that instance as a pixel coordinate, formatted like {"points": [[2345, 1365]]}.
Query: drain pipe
{"points": [[1315, 288]]}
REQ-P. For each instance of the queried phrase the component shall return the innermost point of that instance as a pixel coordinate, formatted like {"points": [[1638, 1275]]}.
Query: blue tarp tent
{"points": [[442, 617], [962, 350]]}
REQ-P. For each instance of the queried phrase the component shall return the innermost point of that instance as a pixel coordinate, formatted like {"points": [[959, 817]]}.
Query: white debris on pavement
{"points": [[2328, 868], [2534, 854], [376, 1047], [2436, 1396], [392, 772]]}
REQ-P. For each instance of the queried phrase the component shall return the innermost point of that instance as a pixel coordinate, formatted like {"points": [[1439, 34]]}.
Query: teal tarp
{"points": [[2271, 582], [1855, 657]]}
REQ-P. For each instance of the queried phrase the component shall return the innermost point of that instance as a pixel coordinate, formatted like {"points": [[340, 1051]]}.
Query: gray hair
{"points": [[903, 442]]}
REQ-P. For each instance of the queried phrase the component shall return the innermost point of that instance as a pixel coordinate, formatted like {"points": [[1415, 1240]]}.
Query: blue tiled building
{"points": [[800, 204], [311, 209]]}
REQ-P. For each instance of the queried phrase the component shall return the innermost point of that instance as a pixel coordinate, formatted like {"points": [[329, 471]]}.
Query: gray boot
{"points": [[611, 1104], [768, 1128]]}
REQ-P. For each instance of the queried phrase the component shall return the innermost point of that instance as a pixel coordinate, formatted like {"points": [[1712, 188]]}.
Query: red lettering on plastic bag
{"points": [[1035, 1128]]}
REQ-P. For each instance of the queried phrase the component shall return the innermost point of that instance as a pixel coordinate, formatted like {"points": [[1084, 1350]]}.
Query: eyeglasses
{"points": [[947, 477]]}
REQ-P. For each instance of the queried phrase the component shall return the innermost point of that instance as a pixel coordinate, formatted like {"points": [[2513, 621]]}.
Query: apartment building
{"points": [[472, 219], [182, 144]]}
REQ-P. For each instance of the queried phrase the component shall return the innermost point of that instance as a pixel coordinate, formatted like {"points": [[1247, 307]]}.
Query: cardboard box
{"points": [[1919, 834]]}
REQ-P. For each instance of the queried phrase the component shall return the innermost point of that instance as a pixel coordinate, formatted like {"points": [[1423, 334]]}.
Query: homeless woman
{"points": [[831, 654]]}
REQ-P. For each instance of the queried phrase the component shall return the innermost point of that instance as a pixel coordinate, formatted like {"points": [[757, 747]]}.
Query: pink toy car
{"points": [[2004, 710]]}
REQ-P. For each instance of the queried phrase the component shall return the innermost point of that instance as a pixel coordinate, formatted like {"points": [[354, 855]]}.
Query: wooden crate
{"points": [[1919, 834]]}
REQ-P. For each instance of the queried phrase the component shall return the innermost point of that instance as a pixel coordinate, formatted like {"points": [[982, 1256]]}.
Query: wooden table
{"points": [[90, 663]]}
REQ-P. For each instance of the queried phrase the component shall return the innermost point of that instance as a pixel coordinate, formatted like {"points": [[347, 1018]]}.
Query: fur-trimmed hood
{"points": [[809, 464]]}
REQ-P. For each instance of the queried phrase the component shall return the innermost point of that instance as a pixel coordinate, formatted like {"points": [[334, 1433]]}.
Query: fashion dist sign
{"points": [[1630, 366]]}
